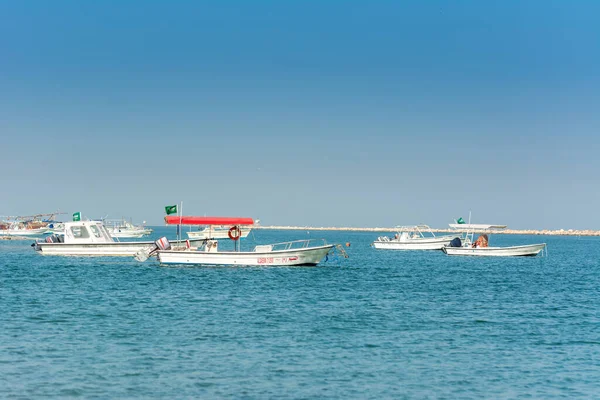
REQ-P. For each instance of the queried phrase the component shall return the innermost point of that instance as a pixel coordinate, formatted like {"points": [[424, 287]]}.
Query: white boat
{"points": [[413, 238], [17, 230], [56, 227], [125, 229], [510, 251], [32, 225], [216, 232], [295, 253], [21, 228], [480, 247], [90, 238], [475, 227]]}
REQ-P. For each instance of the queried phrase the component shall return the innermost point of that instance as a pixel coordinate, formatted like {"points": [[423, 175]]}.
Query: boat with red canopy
{"points": [[295, 253]]}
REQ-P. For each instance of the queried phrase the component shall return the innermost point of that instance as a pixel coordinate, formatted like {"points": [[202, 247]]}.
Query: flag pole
{"points": [[180, 218]]}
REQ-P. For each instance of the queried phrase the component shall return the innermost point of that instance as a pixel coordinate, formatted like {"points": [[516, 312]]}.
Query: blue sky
{"points": [[303, 113]]}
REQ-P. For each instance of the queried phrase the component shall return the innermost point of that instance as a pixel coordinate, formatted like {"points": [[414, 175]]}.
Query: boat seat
{"points": [[264, 247]]}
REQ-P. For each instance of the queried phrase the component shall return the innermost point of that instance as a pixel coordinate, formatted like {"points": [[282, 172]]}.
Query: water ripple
{"points": [[379, 325]]}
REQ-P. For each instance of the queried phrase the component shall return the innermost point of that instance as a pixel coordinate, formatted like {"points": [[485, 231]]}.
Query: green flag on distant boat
{"points": [[171, 210], [77, 216], [460, 221]]}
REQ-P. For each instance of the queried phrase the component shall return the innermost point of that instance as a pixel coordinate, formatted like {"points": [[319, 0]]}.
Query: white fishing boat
{"points": [[294, 253], [416, 237], [510, 251], [481, 248], [124, 229], [217, 232], [91, 238]]}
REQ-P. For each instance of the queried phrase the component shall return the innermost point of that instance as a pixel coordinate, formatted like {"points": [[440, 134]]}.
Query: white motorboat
{"points": [[475, 227], [510, 251], [125, 229], [91, 238], [295, 253], [417, 237], [216, 232], [480, 247]]}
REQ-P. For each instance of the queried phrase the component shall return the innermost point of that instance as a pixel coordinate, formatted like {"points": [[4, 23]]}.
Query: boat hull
{"points": [[512, 251], [116, 249], [297, 257], [24, 232], [436, 243]]}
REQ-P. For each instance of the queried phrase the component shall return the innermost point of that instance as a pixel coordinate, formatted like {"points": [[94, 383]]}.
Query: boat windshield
{"points": [[80, 232]]}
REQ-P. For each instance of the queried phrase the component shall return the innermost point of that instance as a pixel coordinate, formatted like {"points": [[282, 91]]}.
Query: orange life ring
{"points": [[235, 233]]}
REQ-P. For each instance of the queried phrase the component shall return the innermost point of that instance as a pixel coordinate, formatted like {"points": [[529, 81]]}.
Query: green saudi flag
{"points": [[77, 216], [460, 221], [171, 210]]}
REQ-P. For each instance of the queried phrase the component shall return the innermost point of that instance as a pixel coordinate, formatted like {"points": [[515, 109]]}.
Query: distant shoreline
{"points": [[549, 232]]}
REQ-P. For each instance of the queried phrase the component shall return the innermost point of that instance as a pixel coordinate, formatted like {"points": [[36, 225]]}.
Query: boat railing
{"points": [[292, 245], [418, 229]]}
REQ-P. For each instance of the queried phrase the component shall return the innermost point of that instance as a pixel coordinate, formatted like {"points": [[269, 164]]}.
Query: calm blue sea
{"points": [[381, 324]]}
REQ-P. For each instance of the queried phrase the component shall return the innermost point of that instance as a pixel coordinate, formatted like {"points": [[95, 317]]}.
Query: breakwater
{"points": [[550, 232]]}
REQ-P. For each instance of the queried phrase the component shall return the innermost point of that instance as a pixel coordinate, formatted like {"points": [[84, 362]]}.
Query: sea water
{"points": [[381, 324]]}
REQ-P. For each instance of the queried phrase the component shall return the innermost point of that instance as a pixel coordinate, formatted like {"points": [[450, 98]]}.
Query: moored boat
{"points": [[91, 238], [510, 251], [216, 232], [294, 253], [125, 229], [22, 228], [417, 237], [481, 248]]}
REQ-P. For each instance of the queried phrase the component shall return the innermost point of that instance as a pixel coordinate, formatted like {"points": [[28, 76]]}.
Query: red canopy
{"points": [[231, 221]]}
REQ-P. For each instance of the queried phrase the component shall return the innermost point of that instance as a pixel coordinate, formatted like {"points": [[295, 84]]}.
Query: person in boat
{"points": [[482, 241], [396, 236]]}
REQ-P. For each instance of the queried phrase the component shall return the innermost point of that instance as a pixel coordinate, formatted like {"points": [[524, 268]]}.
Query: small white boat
{"points": [[125, 229], [90, 238], [217, 232], [480, 247], [294, 253], [510, 251], [475, 227], [413, 238]]}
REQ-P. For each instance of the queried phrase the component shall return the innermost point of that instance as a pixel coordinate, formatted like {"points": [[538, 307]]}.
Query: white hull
{"points": [[125, 234], [24, 232], [116, 249], [434, 243], [216, 233], [512, 251], [304, 256], [476, 227]]}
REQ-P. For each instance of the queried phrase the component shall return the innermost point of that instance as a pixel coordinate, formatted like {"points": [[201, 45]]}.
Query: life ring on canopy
{"points": [[234, 233]]}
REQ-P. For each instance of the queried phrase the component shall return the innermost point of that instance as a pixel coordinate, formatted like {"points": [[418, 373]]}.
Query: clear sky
{"points": [[323, 113]]}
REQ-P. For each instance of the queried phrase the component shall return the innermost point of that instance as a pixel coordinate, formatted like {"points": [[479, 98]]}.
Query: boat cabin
{"points": [[84, 232]]}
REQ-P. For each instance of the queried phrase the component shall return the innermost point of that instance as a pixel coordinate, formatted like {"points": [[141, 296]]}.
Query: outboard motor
{"points": [[163, 244], [53, 239], [160, 244], [456, 242]]}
